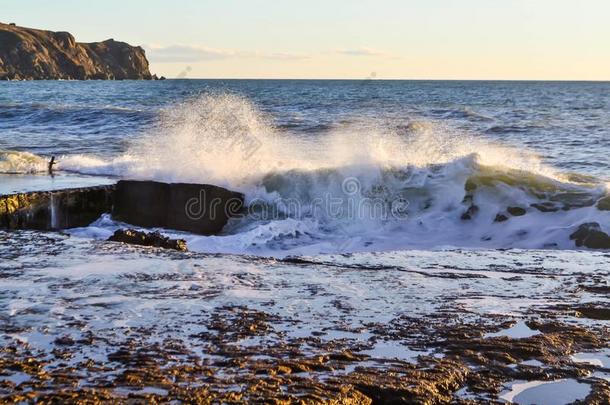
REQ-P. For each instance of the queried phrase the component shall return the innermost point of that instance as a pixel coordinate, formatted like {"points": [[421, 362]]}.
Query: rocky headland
{"points": [[33, 54]]}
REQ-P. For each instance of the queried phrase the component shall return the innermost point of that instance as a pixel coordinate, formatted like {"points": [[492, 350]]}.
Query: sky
{"points": [[344, 39]]}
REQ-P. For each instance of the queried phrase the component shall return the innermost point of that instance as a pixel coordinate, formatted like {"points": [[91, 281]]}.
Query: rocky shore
{"points": [[33, 54], [93, 321], [146, 321]]}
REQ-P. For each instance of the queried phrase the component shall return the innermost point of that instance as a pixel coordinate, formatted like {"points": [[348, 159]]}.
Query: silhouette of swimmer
{"points": [[51, 164]]}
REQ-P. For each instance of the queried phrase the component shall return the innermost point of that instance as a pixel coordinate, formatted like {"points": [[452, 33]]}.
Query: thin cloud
{"points": [[192, 54], [286, 56], [362, 52], [185, 53]]}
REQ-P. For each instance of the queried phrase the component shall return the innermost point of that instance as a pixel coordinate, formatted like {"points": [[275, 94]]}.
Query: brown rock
{"points": [[590, 235], [516, 211], [604, 204], [32, 54], [470, 212], [593, 312], [501, 218], [154, 239], [546, 207]]}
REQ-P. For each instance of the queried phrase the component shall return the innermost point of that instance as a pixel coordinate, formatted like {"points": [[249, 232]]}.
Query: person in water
{"points": [[51, 164]]}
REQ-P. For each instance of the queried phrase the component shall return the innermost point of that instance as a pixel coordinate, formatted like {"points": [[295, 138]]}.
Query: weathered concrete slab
{"points": [[141, 203], [198, 208], [51, 210], [201, 208]]}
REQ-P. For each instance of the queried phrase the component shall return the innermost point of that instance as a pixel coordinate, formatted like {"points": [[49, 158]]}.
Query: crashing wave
{"points": [[14, 162], [358, 186]]}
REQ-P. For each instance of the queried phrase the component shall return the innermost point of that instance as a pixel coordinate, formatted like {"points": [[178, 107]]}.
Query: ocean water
{"points": [[335, 166], [416, 209]]}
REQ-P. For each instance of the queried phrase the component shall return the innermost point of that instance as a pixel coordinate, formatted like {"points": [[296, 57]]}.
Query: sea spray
{"points": [[427, 172], [226, 139], [16, 162]]}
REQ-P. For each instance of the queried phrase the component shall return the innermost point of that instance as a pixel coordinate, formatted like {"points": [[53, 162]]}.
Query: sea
{"points": [[385, 220], [332, 166]]}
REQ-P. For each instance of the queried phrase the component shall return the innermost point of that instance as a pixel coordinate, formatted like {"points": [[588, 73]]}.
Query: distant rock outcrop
{"points": [[31, 54]]}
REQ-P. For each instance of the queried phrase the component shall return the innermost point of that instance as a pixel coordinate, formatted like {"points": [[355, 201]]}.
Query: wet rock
{"points": [[591, 236], [166, 371], [64, 341], [604, 204], [501, 218], [591, 311], [154, 239], [545, 207], [516, 211], [197, 208], [346, 356], [51, 210], [407, 385], [470, 212], [573, 200], [596, 289], [222, 353], [470, 186]]}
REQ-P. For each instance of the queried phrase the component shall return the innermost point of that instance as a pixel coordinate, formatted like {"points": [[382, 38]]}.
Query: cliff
{"points": [[31, 54]]}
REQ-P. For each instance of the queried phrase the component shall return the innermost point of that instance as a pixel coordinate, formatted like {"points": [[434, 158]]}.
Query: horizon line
{"points": [[394, 79]]}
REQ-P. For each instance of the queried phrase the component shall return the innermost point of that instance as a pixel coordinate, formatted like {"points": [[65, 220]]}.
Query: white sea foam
{"points": [[225, 139], [564, 391], [14, 162]]}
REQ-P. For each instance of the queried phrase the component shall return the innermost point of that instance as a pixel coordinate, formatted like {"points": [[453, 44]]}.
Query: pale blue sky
{"points": [[418, 39]]}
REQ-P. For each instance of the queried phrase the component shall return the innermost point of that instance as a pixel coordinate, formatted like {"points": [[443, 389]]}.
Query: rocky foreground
{"points": [[33, 54], [85, 320]]}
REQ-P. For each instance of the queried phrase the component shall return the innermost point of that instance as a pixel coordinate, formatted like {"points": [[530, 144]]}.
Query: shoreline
{"points": [[122, 323]]}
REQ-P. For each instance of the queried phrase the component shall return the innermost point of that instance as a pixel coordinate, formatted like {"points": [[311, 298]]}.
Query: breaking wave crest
{"points": [[13, 162], [226, 139]]}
